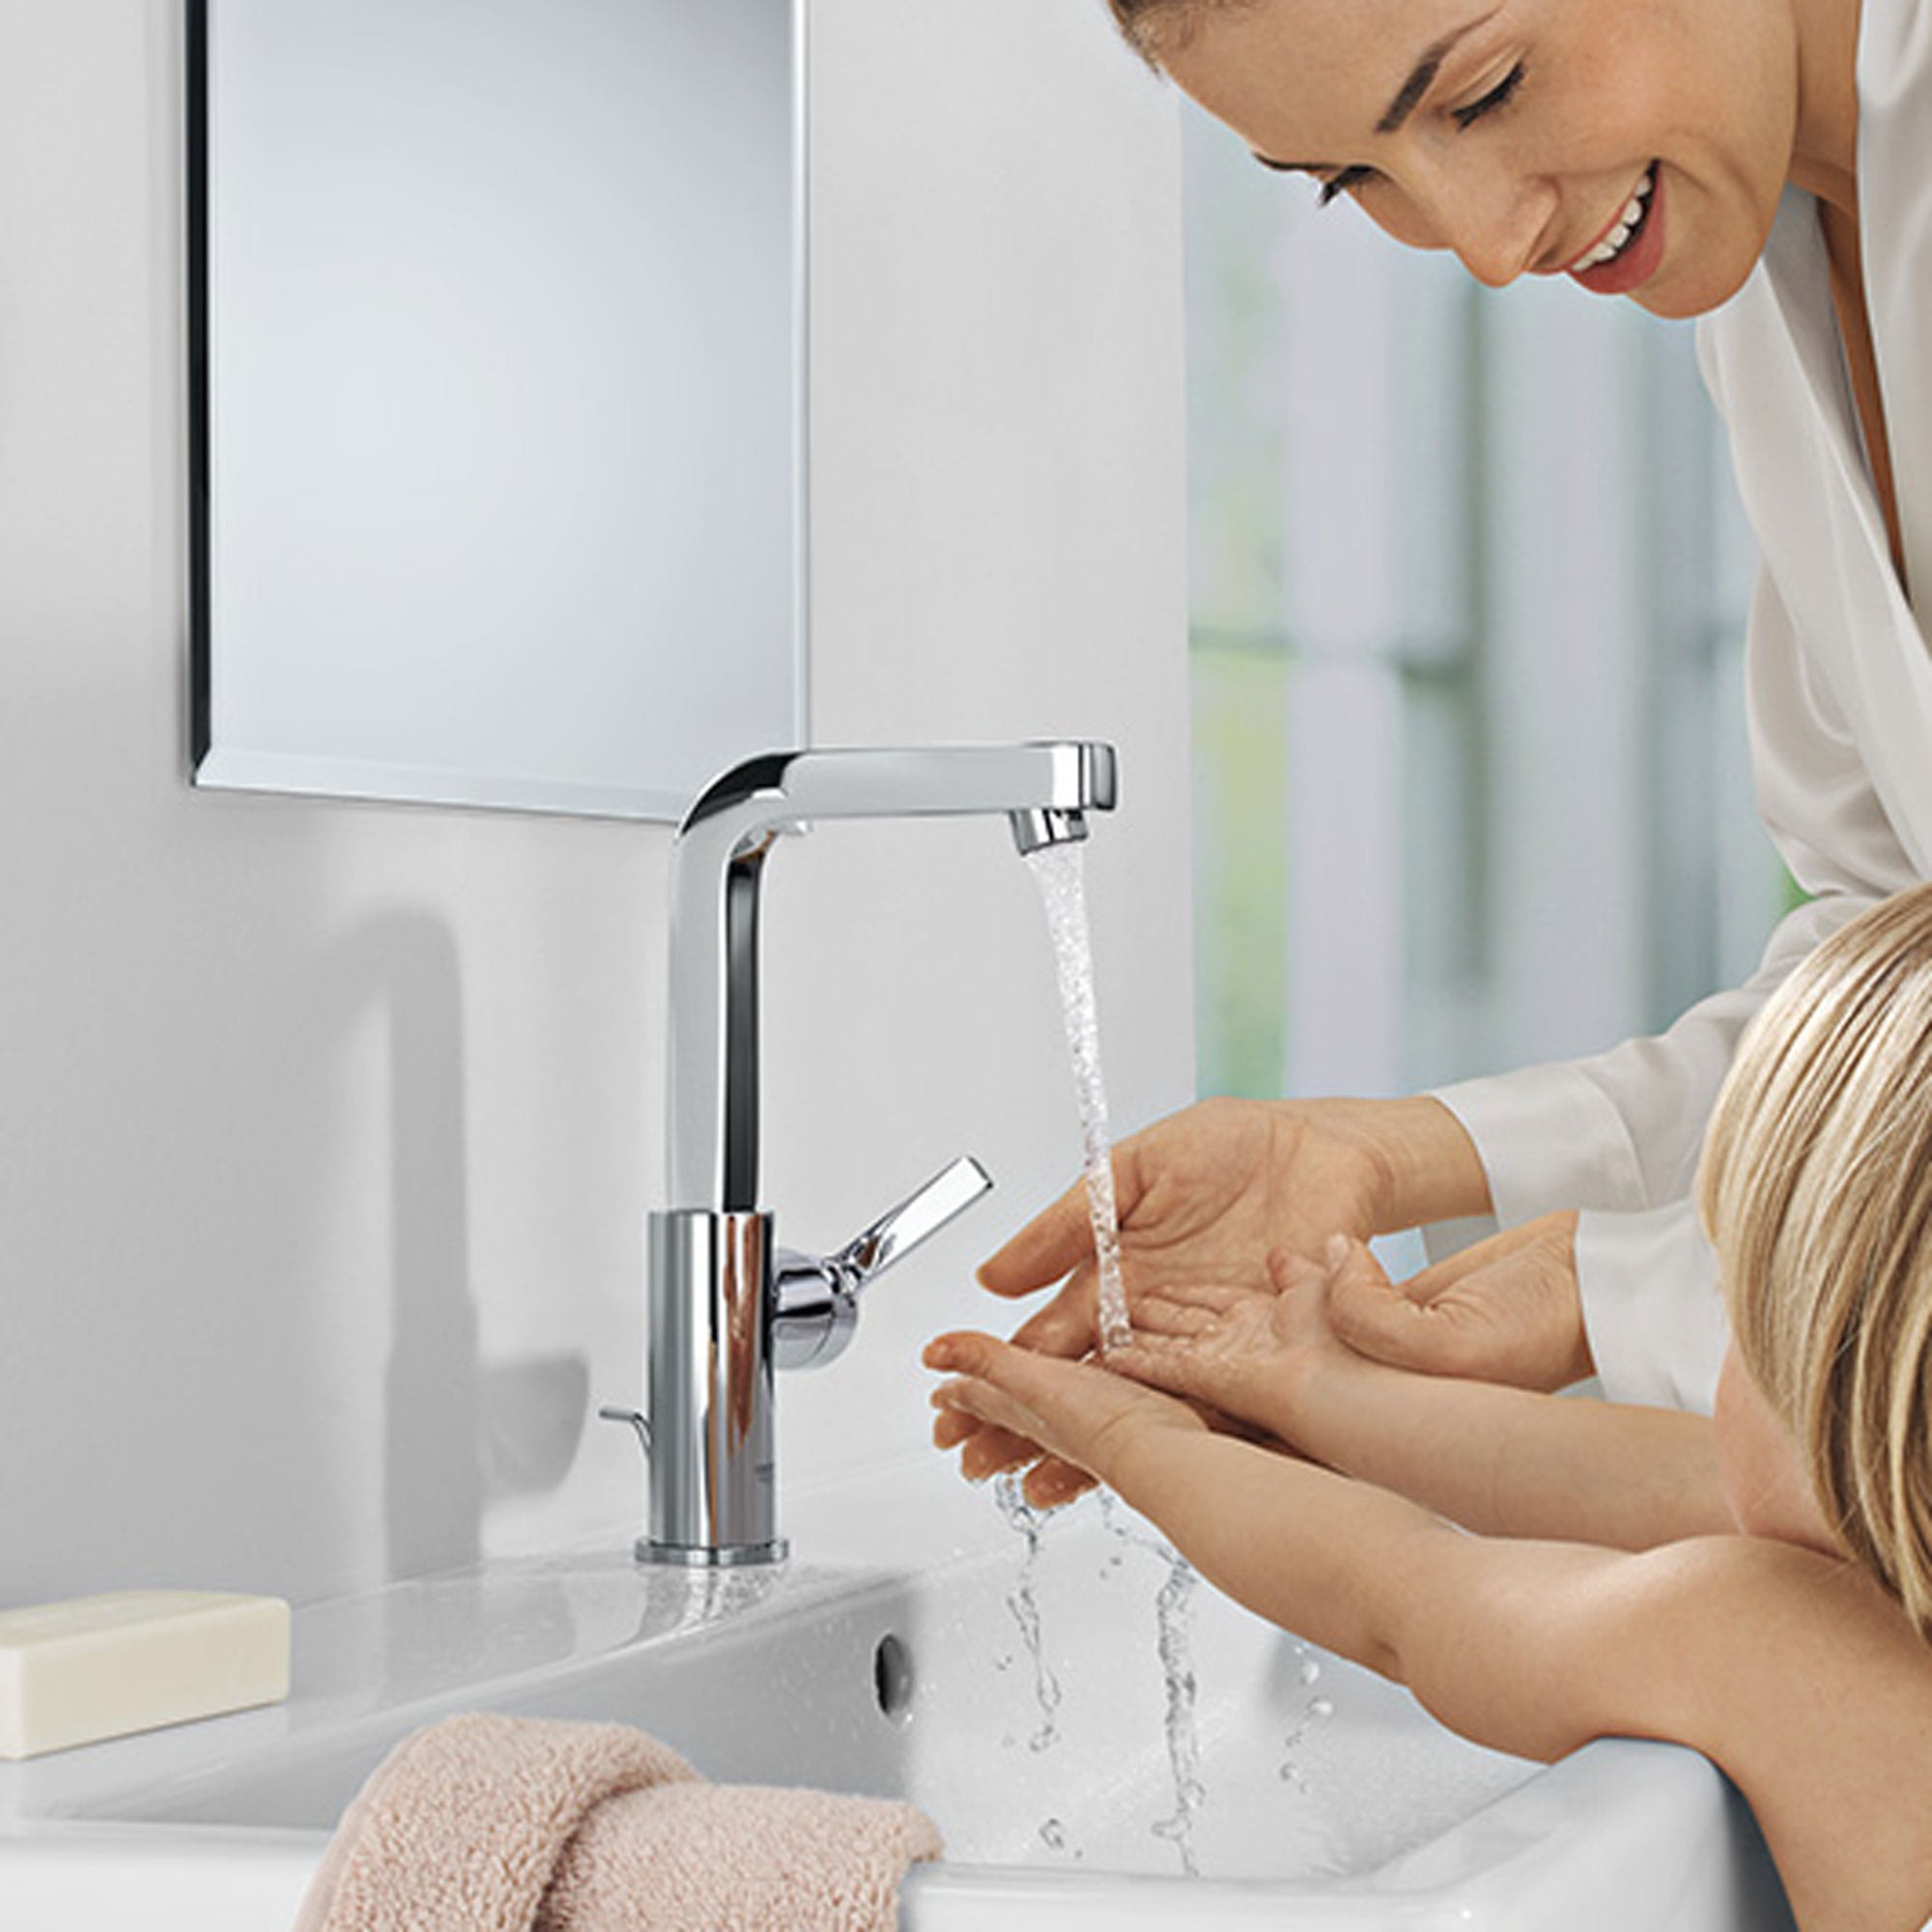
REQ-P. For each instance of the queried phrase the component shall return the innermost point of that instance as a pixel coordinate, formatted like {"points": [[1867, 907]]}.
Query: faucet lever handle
{"points": [[916, 1219], [816, 1301]]}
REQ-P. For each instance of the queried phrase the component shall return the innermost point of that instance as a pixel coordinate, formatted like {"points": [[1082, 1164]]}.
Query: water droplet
{"points": [[1311, 1670], [1322, 1707], [1054, 1833]]}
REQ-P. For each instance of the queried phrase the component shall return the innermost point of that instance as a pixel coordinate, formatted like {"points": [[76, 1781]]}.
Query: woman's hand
{"points": [[1203, 1197], [1205, 1194], [1505, 1310], [1075, 1412]]}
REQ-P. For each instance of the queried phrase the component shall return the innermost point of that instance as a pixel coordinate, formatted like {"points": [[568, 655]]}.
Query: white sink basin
{"points": [[1102, 1741]]}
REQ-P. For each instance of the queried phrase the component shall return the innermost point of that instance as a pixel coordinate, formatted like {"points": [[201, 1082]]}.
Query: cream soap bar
{"points": [[101, 1666]]}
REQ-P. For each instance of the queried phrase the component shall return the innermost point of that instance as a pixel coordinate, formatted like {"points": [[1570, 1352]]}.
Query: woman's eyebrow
{"points": [[1409, 96], [1421, 78]]}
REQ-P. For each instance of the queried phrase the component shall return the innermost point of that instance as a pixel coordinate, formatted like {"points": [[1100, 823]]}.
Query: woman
{"points": [[1765, 165]]}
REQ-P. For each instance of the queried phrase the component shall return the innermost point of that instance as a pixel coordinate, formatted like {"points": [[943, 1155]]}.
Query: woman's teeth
{"points": [[1617, 240]]}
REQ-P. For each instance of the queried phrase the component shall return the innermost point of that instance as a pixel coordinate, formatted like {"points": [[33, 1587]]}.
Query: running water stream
{"points": [[1060, 871], [1174, 1646], [1023, 1605]]}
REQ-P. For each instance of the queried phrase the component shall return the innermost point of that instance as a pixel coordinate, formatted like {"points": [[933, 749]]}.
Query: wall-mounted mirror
{"points": [[496, 314]]}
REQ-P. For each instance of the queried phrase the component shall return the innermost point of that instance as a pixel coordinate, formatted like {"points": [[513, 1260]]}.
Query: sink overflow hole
{"points": [[893, 1677]]}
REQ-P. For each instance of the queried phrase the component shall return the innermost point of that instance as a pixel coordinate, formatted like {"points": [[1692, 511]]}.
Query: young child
{"points": [[1757, 1585]]}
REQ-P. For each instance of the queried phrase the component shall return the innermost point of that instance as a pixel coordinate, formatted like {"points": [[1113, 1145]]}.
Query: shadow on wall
{"points": [[195, 1219], [458, 1435], [406, 965]]}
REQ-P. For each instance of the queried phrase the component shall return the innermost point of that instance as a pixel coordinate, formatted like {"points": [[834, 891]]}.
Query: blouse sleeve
{"points": [[1618, 1134]]}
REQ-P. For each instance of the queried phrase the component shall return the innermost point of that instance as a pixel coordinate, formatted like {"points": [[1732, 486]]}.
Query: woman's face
{"points": [[1763, 1474], [1640, 145]]}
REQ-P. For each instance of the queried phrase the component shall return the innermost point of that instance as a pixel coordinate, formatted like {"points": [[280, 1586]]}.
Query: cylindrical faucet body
{"points": [[713, 1488]]}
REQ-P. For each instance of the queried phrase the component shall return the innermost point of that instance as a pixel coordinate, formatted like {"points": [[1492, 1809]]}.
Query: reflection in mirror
{"points": [[497, 316]]}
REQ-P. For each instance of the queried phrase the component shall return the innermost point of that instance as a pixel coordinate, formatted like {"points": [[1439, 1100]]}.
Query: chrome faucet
{"points": [[726, 1308]]}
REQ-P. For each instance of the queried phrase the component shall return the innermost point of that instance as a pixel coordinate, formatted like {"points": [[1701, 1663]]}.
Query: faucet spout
{"points": [[1044, 789], [1033, 830]]}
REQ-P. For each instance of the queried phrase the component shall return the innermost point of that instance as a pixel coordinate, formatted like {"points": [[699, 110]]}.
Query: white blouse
{"points": [[1839, 696]]}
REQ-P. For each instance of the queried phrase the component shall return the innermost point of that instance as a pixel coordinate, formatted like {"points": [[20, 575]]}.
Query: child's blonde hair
{"points": [[1816, 1191]]}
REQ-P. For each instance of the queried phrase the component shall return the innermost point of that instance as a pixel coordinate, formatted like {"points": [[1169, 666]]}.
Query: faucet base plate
{"points": [[701, 1556]]}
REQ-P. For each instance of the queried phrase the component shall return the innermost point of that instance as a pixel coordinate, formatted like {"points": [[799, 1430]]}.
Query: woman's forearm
{"points": [[1431, 1169], [1441, 1175]]}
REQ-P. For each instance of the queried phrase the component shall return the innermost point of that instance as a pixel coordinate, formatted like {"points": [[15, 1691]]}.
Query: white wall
{"points": [[326, 1131]]}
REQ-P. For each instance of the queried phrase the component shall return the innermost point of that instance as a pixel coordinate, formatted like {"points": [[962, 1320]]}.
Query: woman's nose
{"points": [[1495, 226]]}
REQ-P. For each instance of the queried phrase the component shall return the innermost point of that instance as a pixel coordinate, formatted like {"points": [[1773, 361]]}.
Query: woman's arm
{"points": [[1618, 1134], [1499, 1461]]}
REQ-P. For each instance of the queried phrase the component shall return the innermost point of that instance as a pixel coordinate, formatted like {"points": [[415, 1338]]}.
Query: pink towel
{"points": [[492, 1824]]}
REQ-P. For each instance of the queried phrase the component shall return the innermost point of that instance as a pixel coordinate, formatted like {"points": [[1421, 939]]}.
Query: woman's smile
{"points": [[1617, 233], [1631, 253]]}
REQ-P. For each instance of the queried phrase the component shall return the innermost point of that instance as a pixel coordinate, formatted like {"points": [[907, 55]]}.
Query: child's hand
{"points": [[1246, 1351], [1076, 1411]]}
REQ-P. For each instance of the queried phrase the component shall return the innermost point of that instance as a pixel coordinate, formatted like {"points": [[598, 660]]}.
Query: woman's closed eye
{"points": [[1499, 96], [1326, 188], [1341, 183], [1345, 181]]}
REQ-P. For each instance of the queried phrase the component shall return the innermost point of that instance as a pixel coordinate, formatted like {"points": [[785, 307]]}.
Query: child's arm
{"points": [[1790, 1669], [1501, 1461], [1493, 1635]]}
